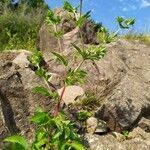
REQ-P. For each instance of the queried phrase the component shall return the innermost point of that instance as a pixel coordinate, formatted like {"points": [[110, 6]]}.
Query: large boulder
{"points": [[126, 93], [17, 101], [47, 42]]}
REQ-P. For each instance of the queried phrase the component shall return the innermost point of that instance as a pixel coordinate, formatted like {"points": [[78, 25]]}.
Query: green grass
{"points": [[144, 38], [19, 27]]}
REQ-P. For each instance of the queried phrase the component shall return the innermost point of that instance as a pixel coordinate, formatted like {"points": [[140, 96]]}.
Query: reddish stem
{"points": [[59, 101]]}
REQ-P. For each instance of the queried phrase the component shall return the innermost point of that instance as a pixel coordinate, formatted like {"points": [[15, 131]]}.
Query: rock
{"points": [[17, 101], [91, 124], [71, 94], [46, 42], [120, 137], [121, 82], [111, 142], [101, 127], [139, 133], [125, 91], [103, 142], [144, 124], [22, 60]]}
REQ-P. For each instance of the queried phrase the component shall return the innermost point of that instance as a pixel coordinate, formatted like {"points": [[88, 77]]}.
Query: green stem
{"points": [[58, 39], [78, 67], [81, 2]]}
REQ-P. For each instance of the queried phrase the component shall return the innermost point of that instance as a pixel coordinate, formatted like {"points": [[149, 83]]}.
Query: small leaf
{"points": [[67, 6], [75, 77], [60, 58], [17, 139], [41, 118], [35, 58], [125, 23], [41, 90], [76, 145], [82, 19]]}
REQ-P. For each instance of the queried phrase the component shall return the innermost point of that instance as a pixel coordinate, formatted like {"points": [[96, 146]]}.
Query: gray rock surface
{"points": [[126, 93], [17, 101], [110, 143]]}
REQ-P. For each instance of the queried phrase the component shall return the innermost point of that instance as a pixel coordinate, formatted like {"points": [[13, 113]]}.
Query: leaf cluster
{"points": [[104, 36], [91, 53], [125, 23]]}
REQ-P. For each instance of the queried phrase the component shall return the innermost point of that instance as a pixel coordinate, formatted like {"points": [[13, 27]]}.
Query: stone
{"points": [[103, 142], [139, 133], [91, 124], [22, 60], [111, 142], [144, 124], [71, 94], [101, 127]]}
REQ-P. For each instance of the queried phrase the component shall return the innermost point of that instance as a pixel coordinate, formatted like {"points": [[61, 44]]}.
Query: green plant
{"points": [[55, 131], [52, 133], [84, 115], [19, 27], [125, 134]]}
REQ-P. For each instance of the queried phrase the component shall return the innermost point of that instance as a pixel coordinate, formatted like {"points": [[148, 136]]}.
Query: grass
{"points": [[19, 27], [144, 38]]}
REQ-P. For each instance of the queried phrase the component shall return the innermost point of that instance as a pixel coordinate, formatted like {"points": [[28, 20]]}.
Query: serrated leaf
{"points": [[60, 58], [17, 139], [41, 90], [67, 6], [75, 77], [41, 118], [35, 58]]}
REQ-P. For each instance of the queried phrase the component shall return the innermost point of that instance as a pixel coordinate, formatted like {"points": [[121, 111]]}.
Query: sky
{"points": [[106, 11]]}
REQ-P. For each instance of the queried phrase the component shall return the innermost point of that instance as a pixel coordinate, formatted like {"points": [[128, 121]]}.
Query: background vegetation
{"points": [[20, 23]]}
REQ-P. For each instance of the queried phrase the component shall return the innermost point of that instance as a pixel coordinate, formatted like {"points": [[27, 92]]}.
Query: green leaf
{"points": [[82, 19], [41, 90], [41, 72], [35, 58], [75, 77], [125, 23], [83, 115], [76, 145], [67, 6], [41, 118], [52, 19], [17, 139], [61, 58], [77, 48]]}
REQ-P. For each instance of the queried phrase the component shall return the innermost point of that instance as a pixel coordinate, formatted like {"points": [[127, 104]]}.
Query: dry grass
{"points": [[144, 38]]}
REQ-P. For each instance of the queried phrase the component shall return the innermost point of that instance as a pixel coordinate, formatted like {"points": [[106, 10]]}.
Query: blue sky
{"points": [[106, 11]]}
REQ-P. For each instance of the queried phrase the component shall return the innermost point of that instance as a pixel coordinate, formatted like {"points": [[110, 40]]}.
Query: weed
{"points": [[125, 134]]}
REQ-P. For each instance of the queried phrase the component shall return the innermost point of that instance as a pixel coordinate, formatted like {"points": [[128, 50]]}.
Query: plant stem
{"points": [[81, 2], [58, 39], [79, 65], [59, 102]]}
